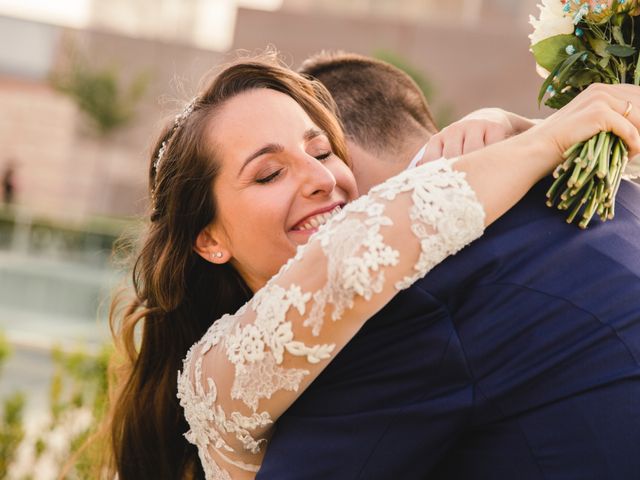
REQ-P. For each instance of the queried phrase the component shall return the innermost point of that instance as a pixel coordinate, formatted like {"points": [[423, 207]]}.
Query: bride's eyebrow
{"points": [[309, 135], [313, 133], [269, 148]]}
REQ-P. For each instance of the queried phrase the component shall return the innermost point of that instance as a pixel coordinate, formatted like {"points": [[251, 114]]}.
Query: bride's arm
{"points": [[251, 366]]}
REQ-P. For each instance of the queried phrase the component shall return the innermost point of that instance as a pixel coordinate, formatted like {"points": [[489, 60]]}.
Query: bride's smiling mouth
{"points": [[313, 221]]}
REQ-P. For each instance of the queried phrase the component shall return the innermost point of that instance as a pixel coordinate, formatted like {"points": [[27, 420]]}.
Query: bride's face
{"points": [[278, 181]]}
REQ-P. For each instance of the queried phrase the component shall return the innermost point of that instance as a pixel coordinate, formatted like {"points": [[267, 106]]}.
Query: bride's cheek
{"points": [[345, 180]]}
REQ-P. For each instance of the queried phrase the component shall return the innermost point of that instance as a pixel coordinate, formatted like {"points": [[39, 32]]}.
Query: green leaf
{"points": [[584, 78], [604, 62], [562, 72], [621, 51], [617, 34], [617, 20], [559, 100], [565, 70], [551, 51], [608, 76], [599, 46], [548, 81]]}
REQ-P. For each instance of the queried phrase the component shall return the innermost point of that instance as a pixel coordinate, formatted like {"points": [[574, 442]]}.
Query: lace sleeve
{"points": [[251, 366]]}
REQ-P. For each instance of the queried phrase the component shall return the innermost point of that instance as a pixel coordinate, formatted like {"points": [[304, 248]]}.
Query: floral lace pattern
{"points": [[251, 366]]}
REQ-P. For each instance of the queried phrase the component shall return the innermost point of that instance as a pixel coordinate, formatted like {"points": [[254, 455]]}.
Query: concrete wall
{"points": [[470, 66], [66, 169]]}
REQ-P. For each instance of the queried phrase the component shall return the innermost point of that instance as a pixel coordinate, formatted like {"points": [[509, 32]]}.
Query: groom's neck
{"points": [[372, 166]]}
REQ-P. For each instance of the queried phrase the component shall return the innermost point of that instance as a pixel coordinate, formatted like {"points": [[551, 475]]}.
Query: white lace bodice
{"points": [[251, 366]]}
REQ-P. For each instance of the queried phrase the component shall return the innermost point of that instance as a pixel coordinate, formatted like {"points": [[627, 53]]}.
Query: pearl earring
{"points": [[216, 255]]}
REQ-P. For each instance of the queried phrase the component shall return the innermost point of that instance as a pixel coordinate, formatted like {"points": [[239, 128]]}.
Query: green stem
{"points": [[569, 151], [618, 180], [602, 138], [575, 175], [555, 188], [590, 210], [585, 177], [603, 165], [574, 212], [567, 202]]}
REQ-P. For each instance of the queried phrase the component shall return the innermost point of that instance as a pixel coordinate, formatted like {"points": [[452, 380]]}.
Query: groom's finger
{"points": [[453, 142], [433, 150], [494, 134], [474, 139]]}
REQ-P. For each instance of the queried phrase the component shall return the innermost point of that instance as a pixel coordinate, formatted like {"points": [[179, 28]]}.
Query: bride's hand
{"points": [[599, 108], [501, 173]]}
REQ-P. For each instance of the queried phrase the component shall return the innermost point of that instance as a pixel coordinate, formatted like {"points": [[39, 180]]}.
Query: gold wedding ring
{"points": [[628, 109]]}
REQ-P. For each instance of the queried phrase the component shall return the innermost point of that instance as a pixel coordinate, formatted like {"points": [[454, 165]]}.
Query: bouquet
{"points": [[576, 43]]}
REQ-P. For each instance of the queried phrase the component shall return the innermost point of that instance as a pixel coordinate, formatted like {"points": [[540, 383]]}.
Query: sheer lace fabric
{"points": [[250, 367]]}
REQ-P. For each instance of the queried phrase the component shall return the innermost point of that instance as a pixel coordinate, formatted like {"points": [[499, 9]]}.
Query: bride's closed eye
{"points": [[269, 178], [323, 156], [273, 175]]}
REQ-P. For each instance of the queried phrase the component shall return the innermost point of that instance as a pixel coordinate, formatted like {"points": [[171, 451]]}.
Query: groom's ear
{"points": [[211, 244]]}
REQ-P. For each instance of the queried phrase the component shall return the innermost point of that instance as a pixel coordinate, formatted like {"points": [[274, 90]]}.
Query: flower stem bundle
{"points": [[587, 182]]}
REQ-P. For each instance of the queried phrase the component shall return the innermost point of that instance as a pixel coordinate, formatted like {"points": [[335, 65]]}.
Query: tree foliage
{"points": [[100, 93]]}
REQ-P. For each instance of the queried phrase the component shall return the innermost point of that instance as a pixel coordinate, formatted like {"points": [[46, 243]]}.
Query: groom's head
{"points": [[384, 113]]}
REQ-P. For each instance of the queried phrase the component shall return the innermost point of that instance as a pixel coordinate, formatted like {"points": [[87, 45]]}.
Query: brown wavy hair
{"points": [[178, 294]]}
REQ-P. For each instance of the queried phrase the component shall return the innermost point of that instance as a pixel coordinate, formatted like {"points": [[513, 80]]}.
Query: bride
{"points": [[241, 181]]}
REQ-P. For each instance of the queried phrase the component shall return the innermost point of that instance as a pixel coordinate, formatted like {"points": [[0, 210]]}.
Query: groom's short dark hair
{"points": [[378, 103]]}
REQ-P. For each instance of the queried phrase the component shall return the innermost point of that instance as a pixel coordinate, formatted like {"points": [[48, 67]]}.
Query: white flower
{"points": [[553, 21]]}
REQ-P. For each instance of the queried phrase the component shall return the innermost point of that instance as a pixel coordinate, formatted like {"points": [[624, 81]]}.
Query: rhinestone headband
{"points": [[177, 123]]}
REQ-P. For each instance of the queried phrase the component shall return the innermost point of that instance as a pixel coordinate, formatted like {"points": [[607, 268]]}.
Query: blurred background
{"points": [[85, 85]]}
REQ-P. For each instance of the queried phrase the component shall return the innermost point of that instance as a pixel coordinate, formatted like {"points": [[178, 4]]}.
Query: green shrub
{"points": [[78, 401]]}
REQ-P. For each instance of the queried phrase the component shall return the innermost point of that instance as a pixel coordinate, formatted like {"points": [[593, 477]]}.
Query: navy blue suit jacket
{"points": [[518, 358]]}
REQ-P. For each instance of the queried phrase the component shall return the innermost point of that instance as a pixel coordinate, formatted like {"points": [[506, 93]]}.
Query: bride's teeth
{"points": [[319, 219]]}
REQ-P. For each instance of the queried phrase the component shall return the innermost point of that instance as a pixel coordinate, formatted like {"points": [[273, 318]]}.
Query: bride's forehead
{"points": [[262, 106], [259, 116]]}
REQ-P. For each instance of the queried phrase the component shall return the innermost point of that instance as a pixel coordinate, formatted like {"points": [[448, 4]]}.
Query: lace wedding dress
{"points": [[251, 366]]}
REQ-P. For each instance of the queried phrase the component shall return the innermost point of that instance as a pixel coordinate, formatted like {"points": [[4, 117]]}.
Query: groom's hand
{"points": [[473, 132]]}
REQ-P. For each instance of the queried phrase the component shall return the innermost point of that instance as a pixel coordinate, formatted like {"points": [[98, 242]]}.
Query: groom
{"points": [[518, 358]]}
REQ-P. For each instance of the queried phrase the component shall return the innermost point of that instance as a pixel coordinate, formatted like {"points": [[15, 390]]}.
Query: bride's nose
{"points": [[316, 178]]}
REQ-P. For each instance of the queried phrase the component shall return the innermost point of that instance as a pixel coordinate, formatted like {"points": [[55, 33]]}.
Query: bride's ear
{"points": [[211, 246]]}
